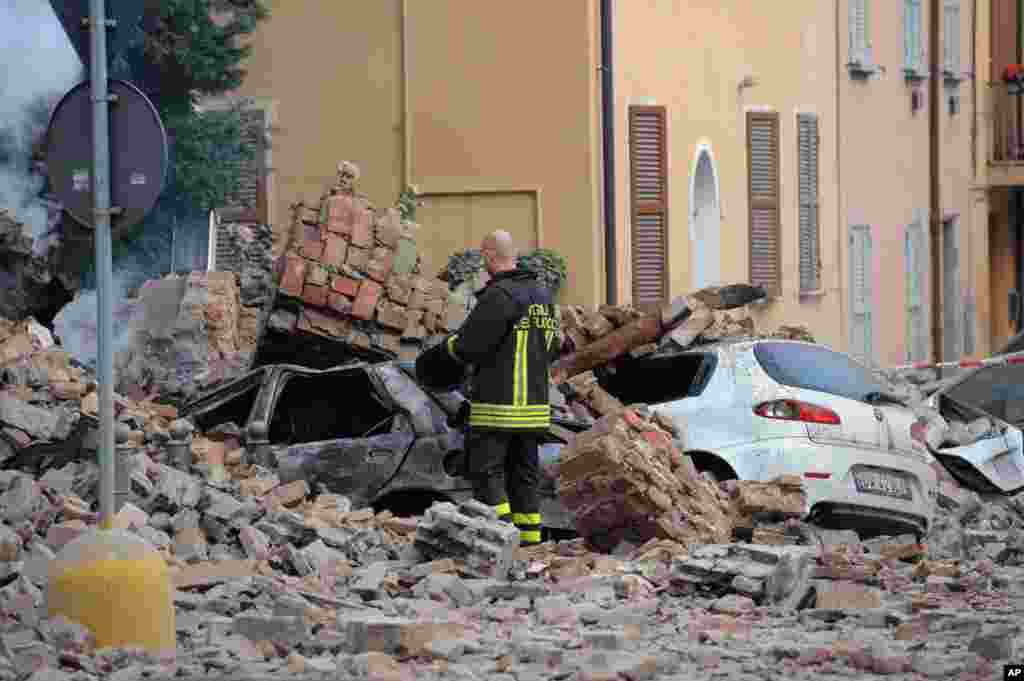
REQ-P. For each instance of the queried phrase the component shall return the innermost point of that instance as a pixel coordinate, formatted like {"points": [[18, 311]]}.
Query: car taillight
{"points": [[794, 410]]}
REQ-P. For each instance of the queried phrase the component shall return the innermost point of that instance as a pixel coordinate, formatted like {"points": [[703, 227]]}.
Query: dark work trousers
{"points": [[504, 468]]}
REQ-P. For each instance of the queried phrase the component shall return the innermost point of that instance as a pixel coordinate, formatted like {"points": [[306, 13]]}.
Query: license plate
{"points": [[882, 483]]}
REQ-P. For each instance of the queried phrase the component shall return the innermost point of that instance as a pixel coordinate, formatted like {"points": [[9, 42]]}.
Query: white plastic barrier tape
{"points": [[998, 360]]}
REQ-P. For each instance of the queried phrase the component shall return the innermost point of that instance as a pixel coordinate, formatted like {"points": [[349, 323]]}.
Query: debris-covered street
{"points": [[504, 407], [674, 575]]}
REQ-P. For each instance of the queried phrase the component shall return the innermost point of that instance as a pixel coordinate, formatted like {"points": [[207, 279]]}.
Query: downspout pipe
{"points": [[934, 172], [611, 258]]}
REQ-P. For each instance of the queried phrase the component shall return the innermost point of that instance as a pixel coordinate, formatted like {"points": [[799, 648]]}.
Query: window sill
{"points": [[860, 70], [915, 75], [814, 294]]}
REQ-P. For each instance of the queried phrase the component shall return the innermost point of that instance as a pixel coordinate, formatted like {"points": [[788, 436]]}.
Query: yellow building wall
{"points": [[489, 110], [334, 71], [692, 61]]}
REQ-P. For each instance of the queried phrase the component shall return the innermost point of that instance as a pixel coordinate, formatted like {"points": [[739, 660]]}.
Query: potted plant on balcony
{"points": [[1013, 76]]}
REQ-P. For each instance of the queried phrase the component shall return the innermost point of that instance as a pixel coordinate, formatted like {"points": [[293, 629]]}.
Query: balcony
{"points": [[1006, 163]]}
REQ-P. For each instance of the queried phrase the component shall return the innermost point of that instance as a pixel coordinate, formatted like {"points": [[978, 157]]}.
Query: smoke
{"points": [[37, 66], [75, 324]]}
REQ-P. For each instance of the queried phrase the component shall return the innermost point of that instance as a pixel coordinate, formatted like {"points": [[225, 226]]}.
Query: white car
{"points": [[756, 409]]}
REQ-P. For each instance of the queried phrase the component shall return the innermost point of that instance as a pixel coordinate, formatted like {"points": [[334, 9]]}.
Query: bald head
{"points": [[499, 251]]}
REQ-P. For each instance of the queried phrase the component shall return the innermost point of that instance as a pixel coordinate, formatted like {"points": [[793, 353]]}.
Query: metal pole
{"points": [[104, 274]]}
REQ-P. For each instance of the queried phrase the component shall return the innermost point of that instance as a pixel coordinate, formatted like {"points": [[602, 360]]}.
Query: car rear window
{"points": [[658, 379], [814, 367], [998, 390]]}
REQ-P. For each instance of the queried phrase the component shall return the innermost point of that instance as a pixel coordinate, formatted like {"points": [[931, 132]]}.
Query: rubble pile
{"points": [[186, 335], [39, 274], [625, 479], [271, 581], [354, 276]]}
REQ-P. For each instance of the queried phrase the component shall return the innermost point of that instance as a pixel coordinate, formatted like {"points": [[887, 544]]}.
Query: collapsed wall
{"points": [[354, 277]]}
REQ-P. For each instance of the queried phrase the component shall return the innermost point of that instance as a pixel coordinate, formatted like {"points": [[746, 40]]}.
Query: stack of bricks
{"points": [[354, 275], [471, 534]]}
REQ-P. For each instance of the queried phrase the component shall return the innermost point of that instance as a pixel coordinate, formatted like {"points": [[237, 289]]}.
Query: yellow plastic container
{"points": [[116, 584]]}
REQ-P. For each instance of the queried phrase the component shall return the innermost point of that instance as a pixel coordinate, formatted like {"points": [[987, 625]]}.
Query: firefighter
{"points": [[510, 339]]}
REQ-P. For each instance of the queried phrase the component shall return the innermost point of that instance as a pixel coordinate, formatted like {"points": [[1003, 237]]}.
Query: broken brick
{"points": [[366, 300], [335, 251], [379, 266], [317, 275], [399, 289], [357, 258], [292, 493], [345, 285], [362, 229], [339, 303], [313, 248], [392, 316], [294, 276], [454, 315], [314, 295]]}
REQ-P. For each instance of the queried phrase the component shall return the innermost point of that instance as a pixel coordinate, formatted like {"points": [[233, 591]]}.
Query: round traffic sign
{"points": [[138, 153]]}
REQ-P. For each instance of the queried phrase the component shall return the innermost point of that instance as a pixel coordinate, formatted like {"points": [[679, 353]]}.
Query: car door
{"points": [[340, 428]]}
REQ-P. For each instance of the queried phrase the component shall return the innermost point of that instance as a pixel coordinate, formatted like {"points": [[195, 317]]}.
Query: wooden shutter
{"points": [[915, 258], [649, 197], [951, 314], [763, 195], [912, 52], [862, 297], [860, 40], [807, 180], [951, 37]]}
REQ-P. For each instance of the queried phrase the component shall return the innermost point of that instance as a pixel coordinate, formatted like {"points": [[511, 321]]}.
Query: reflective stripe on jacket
{"points": [[511, 336]]}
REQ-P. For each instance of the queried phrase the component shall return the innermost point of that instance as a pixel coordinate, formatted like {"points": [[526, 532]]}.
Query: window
{"points": [[807, 181], [307, 409], [813, 367], [913, 54], [860, 36], [658, 379], [862, 299], [951, 40], [763, 199], [915, 252], [648, 182]]}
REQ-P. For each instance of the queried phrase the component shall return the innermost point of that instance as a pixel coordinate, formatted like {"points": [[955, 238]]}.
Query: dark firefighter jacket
{"points": [[511, 338]]}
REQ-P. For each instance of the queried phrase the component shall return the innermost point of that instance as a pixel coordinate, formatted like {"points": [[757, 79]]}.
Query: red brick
{"points": [[294, 276], [366, 300], [314, 295], [335, 251], [380, 264], [339, 303], [345, 286], [313, 247], [340, 206], [362, 229], [657, 439]]}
